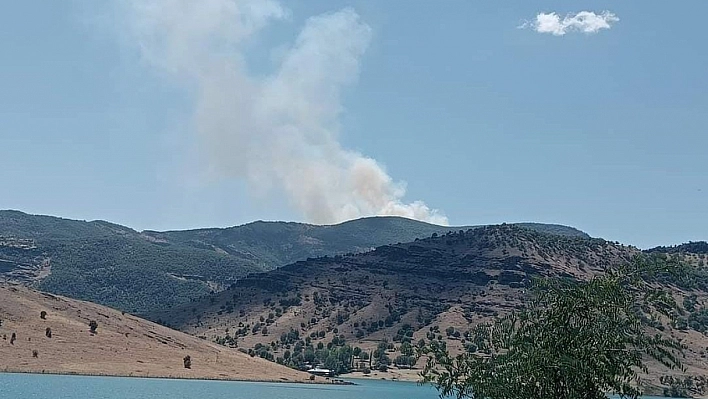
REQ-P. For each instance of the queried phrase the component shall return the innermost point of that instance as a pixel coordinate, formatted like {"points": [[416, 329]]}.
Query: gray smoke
{"points": [[277, 131]]}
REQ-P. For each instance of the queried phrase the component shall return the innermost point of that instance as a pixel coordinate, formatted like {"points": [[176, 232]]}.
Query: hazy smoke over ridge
{"points": [[278, 130]]}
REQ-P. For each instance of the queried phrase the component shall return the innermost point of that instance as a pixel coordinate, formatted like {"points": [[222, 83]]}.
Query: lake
{"points": [[41, 386], [47, 386]]}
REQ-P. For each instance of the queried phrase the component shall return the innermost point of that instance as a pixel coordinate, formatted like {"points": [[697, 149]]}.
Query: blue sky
{"points": [[484, 121]]}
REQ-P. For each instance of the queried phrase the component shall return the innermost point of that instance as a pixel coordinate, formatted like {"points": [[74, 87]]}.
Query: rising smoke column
{"points": [[280, 130]]}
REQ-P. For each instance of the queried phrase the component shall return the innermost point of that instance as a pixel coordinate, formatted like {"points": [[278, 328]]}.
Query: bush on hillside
{"points": [[93, 325]]}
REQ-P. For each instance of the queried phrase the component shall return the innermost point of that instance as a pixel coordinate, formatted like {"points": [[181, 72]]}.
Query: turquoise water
{"points": [[39, 386]]}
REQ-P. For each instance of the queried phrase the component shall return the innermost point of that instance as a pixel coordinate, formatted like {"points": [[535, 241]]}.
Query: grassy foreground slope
{"points": [[124, 345]]}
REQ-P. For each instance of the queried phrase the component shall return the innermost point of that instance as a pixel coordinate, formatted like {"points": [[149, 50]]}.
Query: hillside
{"points": [[697, 247], [146, 271], [107, 263], [277, 244], [434, 288], [123, 344], [421, 279], [451, 280]]}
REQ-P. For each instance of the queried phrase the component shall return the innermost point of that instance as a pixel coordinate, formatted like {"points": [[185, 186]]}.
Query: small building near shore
{"points": [[321, 372]]}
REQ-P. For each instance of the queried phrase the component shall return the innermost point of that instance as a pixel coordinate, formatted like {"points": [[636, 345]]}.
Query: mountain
{"points": [[147, 271], [471, 271], [123, 344], [280, 243], [108, 263], [302, 294], [438, 287]]}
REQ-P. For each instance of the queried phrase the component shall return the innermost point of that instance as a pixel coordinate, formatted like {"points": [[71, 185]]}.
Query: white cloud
{"points": [[584, 21], [277, 130]]}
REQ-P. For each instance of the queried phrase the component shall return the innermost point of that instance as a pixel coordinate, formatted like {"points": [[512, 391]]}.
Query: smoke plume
{"points": [[277, 131]]}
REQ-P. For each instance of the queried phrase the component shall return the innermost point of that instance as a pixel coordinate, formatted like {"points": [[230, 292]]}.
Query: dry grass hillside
{"points": [[448, 280], [436, 288], [123, 345]]}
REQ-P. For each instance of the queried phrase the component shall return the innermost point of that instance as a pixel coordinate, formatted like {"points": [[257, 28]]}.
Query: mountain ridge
{"points": [[143, 271]]}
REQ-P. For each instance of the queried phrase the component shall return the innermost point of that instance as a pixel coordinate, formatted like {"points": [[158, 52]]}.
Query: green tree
{"points": [[380, 355], [575, 339], [406, 349], [405, 361]]}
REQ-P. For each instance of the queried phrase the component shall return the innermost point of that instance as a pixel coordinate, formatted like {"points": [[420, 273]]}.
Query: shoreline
{"points": [[60, 343], [320, 381], [395, 375]]}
